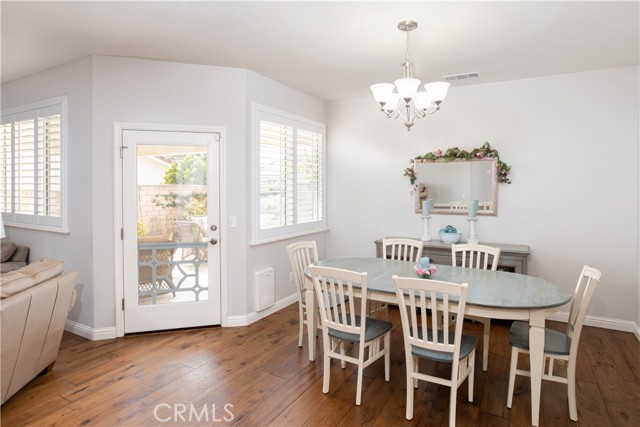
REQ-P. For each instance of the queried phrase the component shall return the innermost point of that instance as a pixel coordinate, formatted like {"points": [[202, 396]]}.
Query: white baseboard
{"points": [[247, 319], [602, 322], [96, 334], [93, 334]]}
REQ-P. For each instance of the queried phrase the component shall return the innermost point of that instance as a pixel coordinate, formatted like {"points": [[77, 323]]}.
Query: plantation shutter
{"points": [[309, 176], [49, 179], [276, 175], [31, 190], [6, 170], [290, 176]]}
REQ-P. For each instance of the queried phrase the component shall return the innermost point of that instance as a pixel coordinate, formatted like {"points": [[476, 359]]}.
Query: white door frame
{"points": [[118, 129]]}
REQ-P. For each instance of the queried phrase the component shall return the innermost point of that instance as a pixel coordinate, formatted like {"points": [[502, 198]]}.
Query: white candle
{"points": [[425, 207]]}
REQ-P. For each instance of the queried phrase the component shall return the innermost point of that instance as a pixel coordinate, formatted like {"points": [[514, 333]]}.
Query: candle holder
{"points": [[425, 228], [472, 240]]}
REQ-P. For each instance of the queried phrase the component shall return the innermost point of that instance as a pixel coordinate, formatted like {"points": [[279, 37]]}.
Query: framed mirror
{"points": [[452, 184]]}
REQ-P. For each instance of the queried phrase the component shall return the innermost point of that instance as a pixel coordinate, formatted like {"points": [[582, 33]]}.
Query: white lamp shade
{"points": [[392, 103], [407, 87], [437, 90], [422, 101], [382, 92]]}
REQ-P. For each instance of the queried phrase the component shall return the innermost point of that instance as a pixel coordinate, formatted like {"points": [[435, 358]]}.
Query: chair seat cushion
{"points": [[374, 328], [555, 342], [467, 344]]}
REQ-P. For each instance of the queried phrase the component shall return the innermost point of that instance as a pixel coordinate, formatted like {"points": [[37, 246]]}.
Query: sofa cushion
{"points": [[7, 249], [8, 266], [43, 270], [14, 282]]}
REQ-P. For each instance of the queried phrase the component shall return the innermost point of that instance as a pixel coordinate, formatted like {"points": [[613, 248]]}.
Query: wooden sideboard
{"points": [[512, 257]]}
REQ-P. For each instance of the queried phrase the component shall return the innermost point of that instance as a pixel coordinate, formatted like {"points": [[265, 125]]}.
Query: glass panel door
{"points": [[172, 260]]}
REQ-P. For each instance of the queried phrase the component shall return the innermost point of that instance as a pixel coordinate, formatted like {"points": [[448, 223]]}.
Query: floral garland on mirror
{"points": [[455, 153]]}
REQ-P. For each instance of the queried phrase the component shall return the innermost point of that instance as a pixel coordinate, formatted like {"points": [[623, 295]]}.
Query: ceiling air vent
{"points": [[463, 76]]}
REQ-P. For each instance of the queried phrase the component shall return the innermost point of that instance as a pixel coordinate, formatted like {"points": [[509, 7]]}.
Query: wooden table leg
{"points": [[536, 354], [312, 312]]}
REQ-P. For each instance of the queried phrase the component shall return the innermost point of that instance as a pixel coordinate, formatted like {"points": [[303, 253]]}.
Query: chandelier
{"points": [[402, 98]]}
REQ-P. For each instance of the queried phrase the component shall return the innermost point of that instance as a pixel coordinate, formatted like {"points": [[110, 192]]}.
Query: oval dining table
{"points": [[492, 294]]}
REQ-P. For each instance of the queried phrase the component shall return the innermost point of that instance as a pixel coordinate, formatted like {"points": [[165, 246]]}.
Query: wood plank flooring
{"points": [[187, 377]]}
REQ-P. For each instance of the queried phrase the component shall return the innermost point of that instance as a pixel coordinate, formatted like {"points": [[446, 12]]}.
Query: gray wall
{"points": [[76, 248], [105, 90], [572, 142]]}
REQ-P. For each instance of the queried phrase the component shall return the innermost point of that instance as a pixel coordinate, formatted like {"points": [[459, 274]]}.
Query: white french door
{"points": [[170, 217]]}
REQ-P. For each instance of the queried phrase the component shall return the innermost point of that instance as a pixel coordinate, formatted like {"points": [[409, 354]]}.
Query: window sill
{"points": [[37, 227], [287, 236]]}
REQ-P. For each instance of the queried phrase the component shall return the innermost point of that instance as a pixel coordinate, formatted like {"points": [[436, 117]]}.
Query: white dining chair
{"points": [[402, 249], [399, 249], [432, 340], [558, 346], [482, 257], [343, 321], [301, 254]]}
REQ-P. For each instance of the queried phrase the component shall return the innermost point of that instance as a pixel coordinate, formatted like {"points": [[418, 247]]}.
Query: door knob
{"points": [[213, 228], [213, 241]]}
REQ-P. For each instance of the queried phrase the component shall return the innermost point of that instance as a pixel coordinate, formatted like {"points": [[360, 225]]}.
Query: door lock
{"points": [[213, 228]]}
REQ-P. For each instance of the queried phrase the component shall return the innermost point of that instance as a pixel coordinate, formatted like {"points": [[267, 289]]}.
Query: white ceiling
{"points": [[331, 50]]}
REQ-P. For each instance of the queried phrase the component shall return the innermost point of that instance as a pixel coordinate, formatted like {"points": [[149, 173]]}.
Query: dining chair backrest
{"points": [[476, 256], [442, 299], [586, 286], [335, 293], [301, 254], [402, 249]]}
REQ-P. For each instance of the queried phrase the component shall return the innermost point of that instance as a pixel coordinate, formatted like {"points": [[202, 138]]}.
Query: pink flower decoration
{"points": [[438, 152], [423, 272], [479, 154]]}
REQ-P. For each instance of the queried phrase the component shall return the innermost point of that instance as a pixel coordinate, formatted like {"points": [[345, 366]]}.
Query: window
{"points": [[289, 181], [31, 165]]}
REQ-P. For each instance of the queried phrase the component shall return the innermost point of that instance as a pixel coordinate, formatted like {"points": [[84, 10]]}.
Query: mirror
{"points": [[452, 184]]}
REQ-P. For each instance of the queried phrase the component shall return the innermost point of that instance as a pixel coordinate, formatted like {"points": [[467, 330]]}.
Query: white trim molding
{"points": [[254, 316], [93, 334], [601, 322]]}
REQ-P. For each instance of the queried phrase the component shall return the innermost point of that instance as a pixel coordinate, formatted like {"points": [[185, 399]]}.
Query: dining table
{"points": [[491, 294]]}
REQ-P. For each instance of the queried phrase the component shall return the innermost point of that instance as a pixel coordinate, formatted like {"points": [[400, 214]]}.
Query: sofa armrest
{"points": [[21, 254]]}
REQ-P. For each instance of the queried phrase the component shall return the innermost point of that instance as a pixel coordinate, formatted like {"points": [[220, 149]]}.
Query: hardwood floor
{"points": [[155, 379]]}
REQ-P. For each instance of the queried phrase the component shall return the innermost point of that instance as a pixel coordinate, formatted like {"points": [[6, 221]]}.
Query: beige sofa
{"points": [[34, 304]]}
